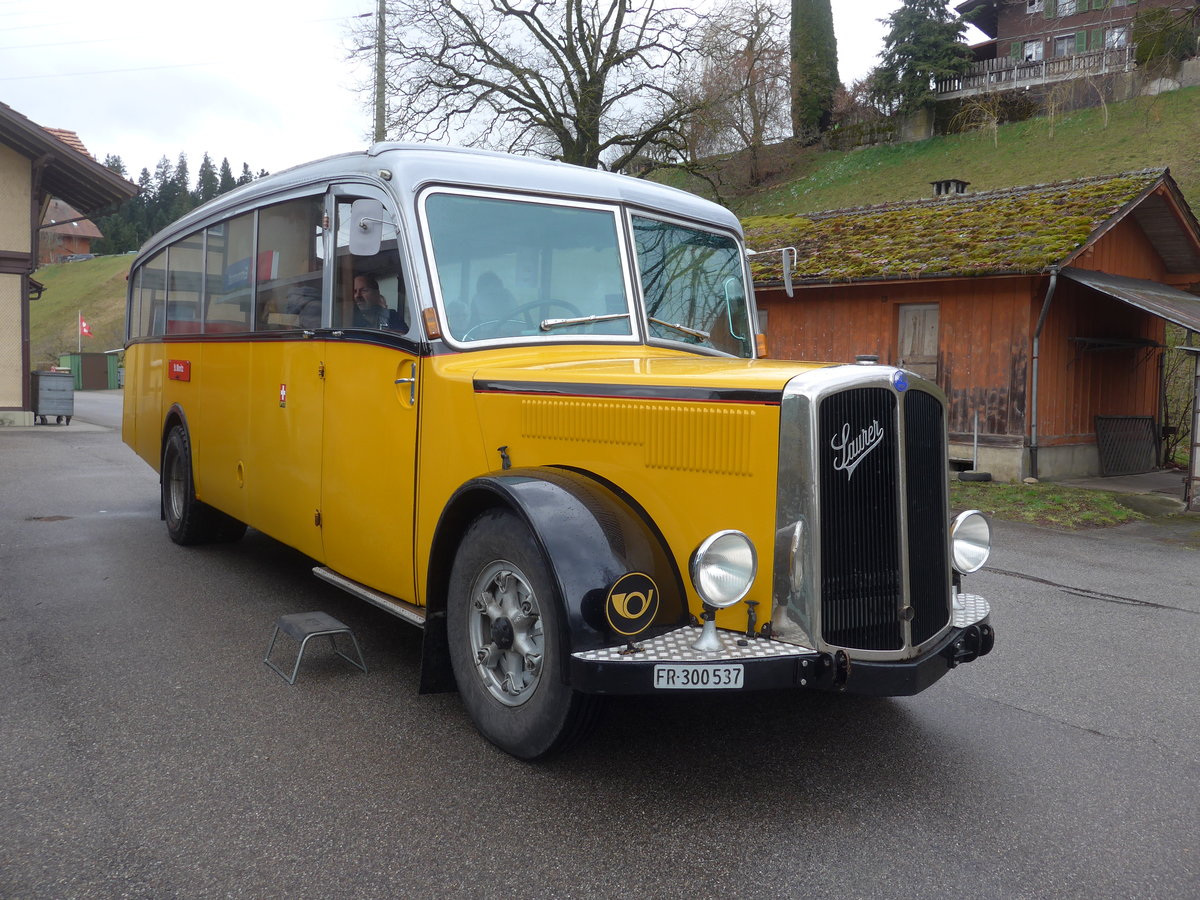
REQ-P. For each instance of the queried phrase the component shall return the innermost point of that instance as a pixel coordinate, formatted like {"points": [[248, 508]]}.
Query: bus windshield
{"points": [[694, 286], [516, 269], [519, 269]]}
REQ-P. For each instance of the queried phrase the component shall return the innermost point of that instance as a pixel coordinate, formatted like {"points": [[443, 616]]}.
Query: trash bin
{"points": [[54, 395]]}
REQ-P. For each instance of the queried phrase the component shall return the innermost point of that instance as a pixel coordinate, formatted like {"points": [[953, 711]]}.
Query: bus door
{"points": [[282, 462], [371, 399]]}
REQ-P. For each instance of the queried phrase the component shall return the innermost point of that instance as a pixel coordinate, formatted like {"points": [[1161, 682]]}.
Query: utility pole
{"points": [[380, 55]]}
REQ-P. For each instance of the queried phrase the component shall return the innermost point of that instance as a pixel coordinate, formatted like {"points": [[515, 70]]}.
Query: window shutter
{"points": [[1081, 42], [1051, 9], [1016, 51], [1099, 4], [1097, 38]]}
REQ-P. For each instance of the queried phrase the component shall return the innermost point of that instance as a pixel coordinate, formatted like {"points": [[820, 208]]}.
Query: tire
{"points": [[974, 476], [189, 521], [505, 628]]}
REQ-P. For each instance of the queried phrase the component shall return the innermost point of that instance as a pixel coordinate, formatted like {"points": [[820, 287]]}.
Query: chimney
{"points": [[949, 186]]}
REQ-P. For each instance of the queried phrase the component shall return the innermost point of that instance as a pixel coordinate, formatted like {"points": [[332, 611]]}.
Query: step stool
{"points": [[304, 627]]}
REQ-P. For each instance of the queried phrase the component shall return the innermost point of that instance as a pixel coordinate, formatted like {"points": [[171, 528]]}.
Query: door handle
{"points": [[411, 381]]}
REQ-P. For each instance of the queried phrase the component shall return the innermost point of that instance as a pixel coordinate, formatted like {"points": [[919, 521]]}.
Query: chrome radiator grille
{"points": [[926, 470], [877, 508], [861, 586]]}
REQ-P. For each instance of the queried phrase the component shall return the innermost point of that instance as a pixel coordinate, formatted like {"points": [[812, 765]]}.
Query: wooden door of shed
{"points": [[917, 341]]}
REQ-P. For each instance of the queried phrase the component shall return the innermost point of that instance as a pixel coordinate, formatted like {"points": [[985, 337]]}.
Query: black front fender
{"points": [[589, 533]]}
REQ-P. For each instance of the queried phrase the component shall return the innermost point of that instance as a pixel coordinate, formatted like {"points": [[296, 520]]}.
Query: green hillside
{"points": [[1150, 132], [94, 286]]}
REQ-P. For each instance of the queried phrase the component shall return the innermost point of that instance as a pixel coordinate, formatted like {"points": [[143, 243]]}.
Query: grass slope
{"points": [[1150, 132], [94, 286]]}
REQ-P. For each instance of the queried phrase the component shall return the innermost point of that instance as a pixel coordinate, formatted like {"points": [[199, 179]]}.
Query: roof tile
{"points": [[70, 138]]}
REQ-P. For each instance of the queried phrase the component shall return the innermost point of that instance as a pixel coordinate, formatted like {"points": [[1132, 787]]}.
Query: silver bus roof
{"points": [[410, 168]]}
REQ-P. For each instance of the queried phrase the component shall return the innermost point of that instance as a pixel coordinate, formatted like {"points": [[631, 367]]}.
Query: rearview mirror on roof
{"points": [[789, 257], [366, 227]]}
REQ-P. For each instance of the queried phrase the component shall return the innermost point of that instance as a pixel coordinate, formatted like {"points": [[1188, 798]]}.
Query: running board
{"points": [[414, 615]]}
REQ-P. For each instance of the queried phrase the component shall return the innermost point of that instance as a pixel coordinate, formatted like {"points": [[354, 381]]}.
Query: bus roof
{"points": [[408, 168]]}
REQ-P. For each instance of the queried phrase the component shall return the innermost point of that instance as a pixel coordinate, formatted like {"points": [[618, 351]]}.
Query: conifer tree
{"points": [[226, 182], [814, 67], [116, 164], [207, 185], [163, 196], [181, 195], [923, 45]]}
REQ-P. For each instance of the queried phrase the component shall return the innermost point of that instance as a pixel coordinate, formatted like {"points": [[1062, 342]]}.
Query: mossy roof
{"points": [[1003, 232]]}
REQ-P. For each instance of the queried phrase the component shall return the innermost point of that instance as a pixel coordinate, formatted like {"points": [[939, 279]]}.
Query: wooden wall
{"points": [[1078, 381], [986, 327], [983, 340]]}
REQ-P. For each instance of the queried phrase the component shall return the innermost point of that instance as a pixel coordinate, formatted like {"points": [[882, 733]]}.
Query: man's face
{"points": [[364, 295]]}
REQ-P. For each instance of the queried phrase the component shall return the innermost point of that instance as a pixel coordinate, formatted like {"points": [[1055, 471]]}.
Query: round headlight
{"points": [[723, 568], [970, 541]]}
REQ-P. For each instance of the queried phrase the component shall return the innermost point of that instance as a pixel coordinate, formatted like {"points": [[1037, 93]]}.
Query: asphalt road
{"points": [[99, 408], [146, 751]]}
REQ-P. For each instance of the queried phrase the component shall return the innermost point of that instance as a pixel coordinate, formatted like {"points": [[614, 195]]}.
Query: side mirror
{"points": [[366, 227], [790, 257]]}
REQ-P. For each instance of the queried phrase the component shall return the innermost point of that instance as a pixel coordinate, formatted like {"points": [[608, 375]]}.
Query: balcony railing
{"points": [[1007, 74]]}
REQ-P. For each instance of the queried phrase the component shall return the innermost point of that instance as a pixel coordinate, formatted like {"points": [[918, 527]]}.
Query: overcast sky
{"points": [[265, 82]]}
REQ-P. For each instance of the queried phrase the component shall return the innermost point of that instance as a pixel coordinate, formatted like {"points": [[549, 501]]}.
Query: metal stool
{"points": [[305, 626]]}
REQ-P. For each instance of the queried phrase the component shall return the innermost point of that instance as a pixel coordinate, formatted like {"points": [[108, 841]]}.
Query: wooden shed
{"points": [[1040, 310]]}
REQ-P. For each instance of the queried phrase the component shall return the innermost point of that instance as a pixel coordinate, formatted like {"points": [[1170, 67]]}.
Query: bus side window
{"points": [[153, 285], [227, 285], [369, 291], [288, 271], [185, 268]]}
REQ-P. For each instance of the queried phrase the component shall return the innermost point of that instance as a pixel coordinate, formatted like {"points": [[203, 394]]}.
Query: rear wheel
{"points": [[504, 624], [189, 521]]}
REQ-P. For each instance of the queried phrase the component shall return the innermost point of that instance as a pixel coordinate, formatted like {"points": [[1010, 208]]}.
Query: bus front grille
{"points": [[861, 579], [926, 470]]}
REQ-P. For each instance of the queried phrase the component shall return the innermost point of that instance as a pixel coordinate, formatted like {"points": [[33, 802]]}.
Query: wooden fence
{"points": [[1007, 74]]}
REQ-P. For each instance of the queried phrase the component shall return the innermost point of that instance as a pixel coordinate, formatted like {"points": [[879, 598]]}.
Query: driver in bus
{"points": [[493, 301], [371, 309]]}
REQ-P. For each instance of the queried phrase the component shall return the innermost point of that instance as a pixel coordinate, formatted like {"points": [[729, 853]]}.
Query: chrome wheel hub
{"points": [[505, 630]]}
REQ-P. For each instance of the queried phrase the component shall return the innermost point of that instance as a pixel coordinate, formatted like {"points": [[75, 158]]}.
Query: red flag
{"points": [[84, 327]]}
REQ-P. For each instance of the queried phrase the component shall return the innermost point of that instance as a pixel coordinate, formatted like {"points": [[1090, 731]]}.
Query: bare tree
{"points": [[739, 83], [981, 112], [584, 81], [854, 105]]}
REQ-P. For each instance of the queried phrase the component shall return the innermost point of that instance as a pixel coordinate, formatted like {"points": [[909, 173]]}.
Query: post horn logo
{"points": [[632, 604]]}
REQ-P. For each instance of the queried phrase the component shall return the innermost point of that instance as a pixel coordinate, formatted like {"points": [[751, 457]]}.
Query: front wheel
{"points": [[190, 521], [504, 625]]}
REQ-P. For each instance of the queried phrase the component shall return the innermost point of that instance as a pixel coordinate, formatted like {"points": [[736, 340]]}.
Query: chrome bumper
{"points": [[769, 663]]}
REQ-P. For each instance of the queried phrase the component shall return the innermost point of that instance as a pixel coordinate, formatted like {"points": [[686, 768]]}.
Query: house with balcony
{"points": [[1038, 42]]}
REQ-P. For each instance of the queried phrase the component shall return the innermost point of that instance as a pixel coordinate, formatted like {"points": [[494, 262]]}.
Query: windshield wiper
{"points": [[551, 324], [690, 332]]}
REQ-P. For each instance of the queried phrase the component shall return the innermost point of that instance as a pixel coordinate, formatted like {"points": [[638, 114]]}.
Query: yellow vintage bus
{"points": [[522, 406]]}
